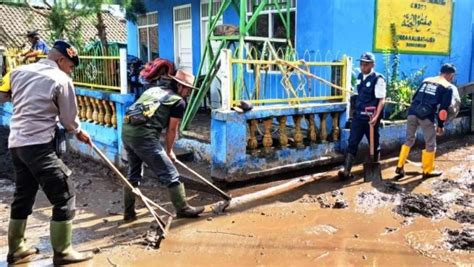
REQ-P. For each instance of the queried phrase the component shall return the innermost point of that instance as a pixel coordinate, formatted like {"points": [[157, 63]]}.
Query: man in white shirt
{"points": [[42, 96]]}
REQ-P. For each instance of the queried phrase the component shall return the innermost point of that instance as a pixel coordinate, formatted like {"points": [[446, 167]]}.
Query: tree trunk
{"points": [[102, 33]]}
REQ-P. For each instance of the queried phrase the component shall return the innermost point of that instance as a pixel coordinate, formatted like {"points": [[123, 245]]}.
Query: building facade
{"points": [[322, 29]]}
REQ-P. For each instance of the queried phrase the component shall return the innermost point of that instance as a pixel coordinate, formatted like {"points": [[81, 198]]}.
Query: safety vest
{"points": [[156, 105], [429, 92], [366, 93]]}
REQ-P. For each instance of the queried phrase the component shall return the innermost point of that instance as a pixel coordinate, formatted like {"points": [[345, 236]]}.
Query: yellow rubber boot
{"points": [[428, 165], [402, 158]]}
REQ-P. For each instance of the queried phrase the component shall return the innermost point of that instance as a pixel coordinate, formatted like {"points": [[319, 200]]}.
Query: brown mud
{"points": [[298, 228]]}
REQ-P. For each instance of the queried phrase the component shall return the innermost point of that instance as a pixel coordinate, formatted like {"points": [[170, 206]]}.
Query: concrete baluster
{"points": [[312, 130], [80, 107], [335, 127], [88, 108], [108, 114], [101, 115], [252, 143], [324, 128], [283, 134], [267, 137], [114, 115], [298, 134], [95, 111]]}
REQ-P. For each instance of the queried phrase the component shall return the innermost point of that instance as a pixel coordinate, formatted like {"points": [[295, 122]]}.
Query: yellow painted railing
{"points": [[272, 73], [275, 81], [95, 72]]}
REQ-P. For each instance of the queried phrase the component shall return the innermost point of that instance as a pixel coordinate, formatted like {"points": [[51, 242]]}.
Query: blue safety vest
{"points": [[433, 91]]}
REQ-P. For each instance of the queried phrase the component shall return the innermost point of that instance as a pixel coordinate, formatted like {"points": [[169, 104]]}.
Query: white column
{"points": [[348, 84], [225, 74], [123, 71]]}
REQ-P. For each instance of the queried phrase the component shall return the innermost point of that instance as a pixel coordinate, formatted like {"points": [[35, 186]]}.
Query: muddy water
{"points": [[293, 229]]}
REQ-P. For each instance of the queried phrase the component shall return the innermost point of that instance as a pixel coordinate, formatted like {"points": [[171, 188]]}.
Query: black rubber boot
{"points": [[178, 198], [400, 173], [432, 174], [346, 173]]}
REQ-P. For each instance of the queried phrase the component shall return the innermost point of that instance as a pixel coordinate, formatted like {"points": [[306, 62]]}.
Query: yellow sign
{"points": [[421, 26]]}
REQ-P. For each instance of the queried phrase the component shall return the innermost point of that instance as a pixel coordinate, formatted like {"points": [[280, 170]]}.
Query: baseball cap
{"points": [[448, 68], [67, 50], [367, 57]]}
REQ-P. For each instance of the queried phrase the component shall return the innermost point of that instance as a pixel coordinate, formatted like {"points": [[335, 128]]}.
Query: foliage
{"points": [[62, 16], [400, 86], [132, 8]]}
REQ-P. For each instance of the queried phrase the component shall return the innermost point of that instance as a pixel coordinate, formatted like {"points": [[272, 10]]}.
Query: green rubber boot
{"points": [[183, 209], [18, 252], [129, 213], [61, 236]]}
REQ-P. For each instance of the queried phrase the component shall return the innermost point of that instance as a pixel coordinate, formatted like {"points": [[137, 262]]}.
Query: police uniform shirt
{"points": [[42, 95]]}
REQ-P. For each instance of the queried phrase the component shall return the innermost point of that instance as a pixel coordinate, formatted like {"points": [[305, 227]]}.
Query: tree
{"points": [[61, 16], [132, 8]]}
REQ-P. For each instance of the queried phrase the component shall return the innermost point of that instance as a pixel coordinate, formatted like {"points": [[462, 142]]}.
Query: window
{"points": [[204, 27], [269, 23], [148, 36]]}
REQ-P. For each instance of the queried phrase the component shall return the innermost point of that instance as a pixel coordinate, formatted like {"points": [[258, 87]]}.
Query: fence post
{"points": [[225, 74], [348, 80], [123, 71], [2, 51]]}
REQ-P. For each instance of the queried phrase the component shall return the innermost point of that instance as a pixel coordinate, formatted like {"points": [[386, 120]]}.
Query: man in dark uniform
{"points": [[158, 108], [433, 92], [38, 46], [371, 89], [42, 95]]}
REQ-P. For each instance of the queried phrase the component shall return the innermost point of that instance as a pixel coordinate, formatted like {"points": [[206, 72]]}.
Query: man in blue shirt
{"points": [[371, 89], [433, 92], [38, 46]]}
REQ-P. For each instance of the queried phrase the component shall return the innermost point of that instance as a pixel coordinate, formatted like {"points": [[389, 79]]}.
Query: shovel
{"points": [[163, 226], [372, 170], [217, 189]]}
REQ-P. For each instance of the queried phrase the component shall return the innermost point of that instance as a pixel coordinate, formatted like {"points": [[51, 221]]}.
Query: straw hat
{"points": [[185, 78]]}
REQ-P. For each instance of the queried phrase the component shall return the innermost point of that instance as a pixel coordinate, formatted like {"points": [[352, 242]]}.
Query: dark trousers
{"points": [[154, 155], [38, 166], [359, 128]]}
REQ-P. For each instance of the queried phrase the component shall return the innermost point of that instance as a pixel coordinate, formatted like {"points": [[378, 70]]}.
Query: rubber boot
{"points": [[402, 158], [178, 198], [346, 173], [61, 236], [428, 165], [18, 252], [129, 213]]}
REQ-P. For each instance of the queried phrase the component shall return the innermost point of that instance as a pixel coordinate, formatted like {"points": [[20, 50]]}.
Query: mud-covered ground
{"points": [[411, 222]]}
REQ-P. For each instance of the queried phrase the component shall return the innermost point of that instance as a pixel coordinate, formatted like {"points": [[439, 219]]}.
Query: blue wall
{"points": [[472, 50], [337, 27], [132, 46], [165, 26], [347, 27]]}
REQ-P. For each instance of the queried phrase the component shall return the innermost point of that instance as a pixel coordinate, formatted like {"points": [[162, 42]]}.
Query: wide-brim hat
{"points": [[243, 106], [185, 78]]}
